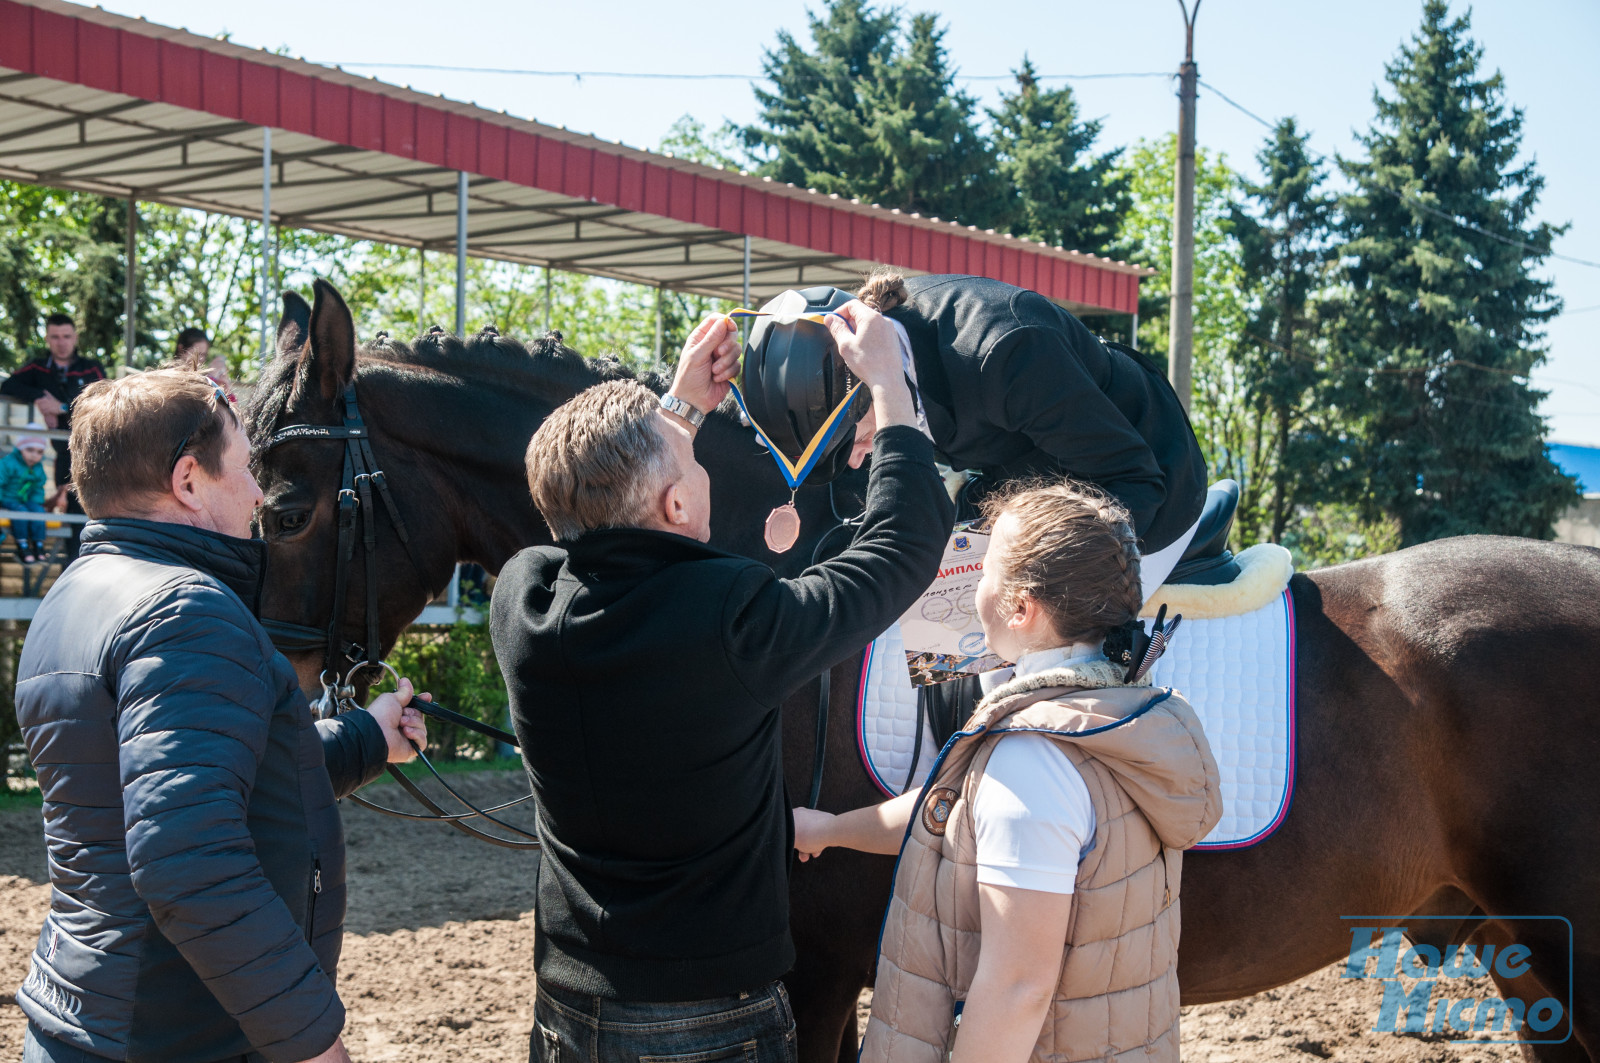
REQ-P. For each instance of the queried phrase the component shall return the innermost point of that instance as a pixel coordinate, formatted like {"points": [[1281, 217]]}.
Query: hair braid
{"points": [[1075, 551]]}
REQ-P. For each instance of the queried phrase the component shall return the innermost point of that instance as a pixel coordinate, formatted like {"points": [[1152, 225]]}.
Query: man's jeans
{"points": [[753, 1027]]}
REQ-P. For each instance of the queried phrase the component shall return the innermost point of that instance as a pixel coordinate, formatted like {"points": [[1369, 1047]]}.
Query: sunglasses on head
{"points": [[218, 396]]}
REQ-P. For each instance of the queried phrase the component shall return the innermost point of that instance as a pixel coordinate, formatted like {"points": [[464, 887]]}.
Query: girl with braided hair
{"points": [[1035, 905]]}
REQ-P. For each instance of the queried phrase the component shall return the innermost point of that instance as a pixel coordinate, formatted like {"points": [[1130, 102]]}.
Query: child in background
{"points": [[22, 488]]}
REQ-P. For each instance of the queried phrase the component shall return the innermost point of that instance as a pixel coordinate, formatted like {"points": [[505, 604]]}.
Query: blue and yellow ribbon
{"points": [[795, 472]]}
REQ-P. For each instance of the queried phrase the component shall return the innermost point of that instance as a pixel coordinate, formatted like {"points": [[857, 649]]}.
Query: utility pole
{"points": [[1180, 345]]}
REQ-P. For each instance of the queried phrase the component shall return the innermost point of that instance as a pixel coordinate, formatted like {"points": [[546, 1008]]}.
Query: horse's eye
{"points": [[291, 522]]}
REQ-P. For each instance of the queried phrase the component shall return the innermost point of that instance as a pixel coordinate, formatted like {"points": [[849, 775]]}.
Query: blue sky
{"points": [[1316, 61]]}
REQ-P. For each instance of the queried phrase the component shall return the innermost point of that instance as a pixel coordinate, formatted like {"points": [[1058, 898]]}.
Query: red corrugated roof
{"points": [[101, 102]]}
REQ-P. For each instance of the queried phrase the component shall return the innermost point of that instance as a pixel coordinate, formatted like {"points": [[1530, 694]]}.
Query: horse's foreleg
{"points": [[836, 908], [1524, 987]]}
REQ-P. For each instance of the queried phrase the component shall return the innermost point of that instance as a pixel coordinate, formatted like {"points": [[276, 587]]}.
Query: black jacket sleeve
{"points": [[780, 633], [1036, 384], [194, 707], [354, 750], [26, 384]]}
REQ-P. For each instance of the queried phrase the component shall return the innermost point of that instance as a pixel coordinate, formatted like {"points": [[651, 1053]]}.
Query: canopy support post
{"points": [[422, 288], [661, 328], [744, 325], [461, 253], [1133, 331], [547, 298], [130, 297], [266, 243]]}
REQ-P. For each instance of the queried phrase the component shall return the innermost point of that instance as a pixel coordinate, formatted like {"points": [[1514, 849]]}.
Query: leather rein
{"points": [[357, 516]]}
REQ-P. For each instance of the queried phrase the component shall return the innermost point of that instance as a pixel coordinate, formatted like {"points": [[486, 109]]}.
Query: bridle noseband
{"points": [[361, 477]]}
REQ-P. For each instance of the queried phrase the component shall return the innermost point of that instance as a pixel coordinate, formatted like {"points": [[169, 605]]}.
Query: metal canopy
{"points": [[101, 103]]}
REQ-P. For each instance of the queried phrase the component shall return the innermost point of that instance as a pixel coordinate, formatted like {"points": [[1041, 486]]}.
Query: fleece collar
{"points": [[1081, 675]]}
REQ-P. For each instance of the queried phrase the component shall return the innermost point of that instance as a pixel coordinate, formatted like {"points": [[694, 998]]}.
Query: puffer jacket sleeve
{"points": [[354, 749], [193, 709]]}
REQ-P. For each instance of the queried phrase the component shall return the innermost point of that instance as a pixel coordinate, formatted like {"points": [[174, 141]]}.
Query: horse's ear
{"points": [[329, 361], [294, 327]]}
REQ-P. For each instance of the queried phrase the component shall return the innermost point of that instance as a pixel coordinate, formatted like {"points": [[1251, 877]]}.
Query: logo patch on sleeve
{"points": [[937, 809]]}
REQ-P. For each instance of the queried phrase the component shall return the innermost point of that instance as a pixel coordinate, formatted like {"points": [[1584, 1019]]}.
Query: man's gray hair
{"points": [[600, 460]]}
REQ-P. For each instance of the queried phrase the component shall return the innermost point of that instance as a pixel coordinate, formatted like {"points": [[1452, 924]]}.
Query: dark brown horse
{"points": [[1448, 723]]}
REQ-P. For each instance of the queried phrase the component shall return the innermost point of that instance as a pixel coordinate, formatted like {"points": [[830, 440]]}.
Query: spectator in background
{"points": [[194, 352], [52, 383], [22, 488], [194, 348]]}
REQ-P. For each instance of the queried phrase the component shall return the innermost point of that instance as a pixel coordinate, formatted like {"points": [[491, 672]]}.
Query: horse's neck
{"points": [[470, 446]]}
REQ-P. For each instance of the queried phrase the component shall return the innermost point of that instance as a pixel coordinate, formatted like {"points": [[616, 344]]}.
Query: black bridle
{"points": [[342, 660]]}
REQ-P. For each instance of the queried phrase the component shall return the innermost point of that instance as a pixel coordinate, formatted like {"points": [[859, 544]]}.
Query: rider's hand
{"points": [[335, 1052], [401, 726], [871, 348], [813, 830], [710, 360]]}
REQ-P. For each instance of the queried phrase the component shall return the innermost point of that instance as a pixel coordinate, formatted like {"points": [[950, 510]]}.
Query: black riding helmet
{"points": [[794, 377]]}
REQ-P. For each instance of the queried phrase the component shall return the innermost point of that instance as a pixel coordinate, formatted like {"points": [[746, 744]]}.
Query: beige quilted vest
{"points": [[1156, 792]]}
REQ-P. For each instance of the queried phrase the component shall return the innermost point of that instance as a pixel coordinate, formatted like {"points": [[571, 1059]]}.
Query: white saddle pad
{"points": [[1238, 673], [886, 721]]}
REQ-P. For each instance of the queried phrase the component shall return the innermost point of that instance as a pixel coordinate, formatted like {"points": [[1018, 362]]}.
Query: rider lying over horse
{"points": [[645, 672], [1011, 387]]}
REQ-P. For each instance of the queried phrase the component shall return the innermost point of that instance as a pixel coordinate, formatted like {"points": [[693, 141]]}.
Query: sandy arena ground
{"points": [[438, 959]]}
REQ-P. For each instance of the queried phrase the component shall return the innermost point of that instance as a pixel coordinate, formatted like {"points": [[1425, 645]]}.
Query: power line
{"points": [[1412, 200], [661, 76]]}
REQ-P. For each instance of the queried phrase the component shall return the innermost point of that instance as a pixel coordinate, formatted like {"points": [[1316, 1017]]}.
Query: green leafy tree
{"points": [[60, 252], [1219, 410], [873, 114], [1445, 315], [689, 138], [1061, 192]]}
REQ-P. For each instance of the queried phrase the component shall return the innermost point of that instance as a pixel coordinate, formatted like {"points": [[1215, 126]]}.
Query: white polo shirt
{"points": [[1034, 818]]}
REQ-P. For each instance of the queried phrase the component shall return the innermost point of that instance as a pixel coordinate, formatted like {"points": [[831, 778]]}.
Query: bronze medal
{"points": [[783, 528]]}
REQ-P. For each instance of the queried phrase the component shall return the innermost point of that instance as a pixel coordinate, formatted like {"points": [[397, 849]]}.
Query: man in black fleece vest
{"points": [[645, 672]]}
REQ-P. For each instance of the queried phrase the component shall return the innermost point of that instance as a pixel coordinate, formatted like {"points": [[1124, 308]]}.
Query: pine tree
{"points": [[875, 118], [1445, 315], [813, 123], [1062, 193], [1285, 233]]}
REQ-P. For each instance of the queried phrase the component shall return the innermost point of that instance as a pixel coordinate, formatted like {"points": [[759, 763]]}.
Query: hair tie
{"points": [[1128, 645]]}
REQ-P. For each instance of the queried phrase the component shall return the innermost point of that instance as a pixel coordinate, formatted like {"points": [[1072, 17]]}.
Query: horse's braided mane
{"points": [[546, 364]]}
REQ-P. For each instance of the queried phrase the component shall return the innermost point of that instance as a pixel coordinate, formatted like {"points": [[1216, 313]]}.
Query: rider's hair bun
{"points": [[883, 290]]}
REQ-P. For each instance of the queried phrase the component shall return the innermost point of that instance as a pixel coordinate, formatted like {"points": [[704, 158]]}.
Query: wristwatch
{"points": [[673, 404]]}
